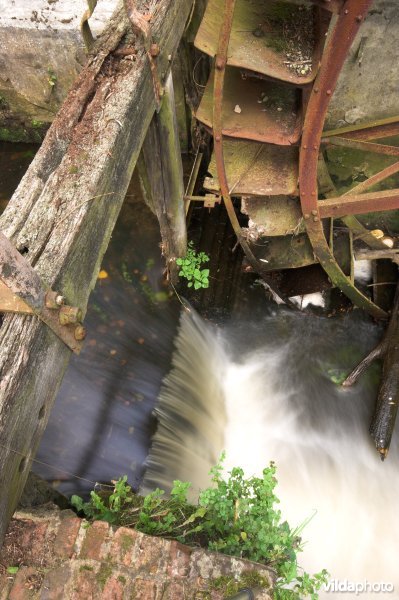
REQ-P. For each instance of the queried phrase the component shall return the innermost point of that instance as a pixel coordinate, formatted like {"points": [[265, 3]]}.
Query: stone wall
{"points": [[62, 557], [41, 53]]}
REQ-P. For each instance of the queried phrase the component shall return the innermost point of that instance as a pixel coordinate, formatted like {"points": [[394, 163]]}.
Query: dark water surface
{"points": [[101, 423]]}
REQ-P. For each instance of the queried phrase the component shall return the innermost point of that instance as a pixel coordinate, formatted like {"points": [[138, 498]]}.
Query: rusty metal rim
{"points": [[340, 40], [217, 126]]}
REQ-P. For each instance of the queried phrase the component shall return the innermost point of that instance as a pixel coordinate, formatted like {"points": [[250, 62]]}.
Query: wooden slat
{"points": [[257, 37], [255, 109], [255, 169]]}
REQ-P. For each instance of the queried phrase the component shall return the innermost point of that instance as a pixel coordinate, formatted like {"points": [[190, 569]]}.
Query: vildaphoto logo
{"points": [[344, 586]]}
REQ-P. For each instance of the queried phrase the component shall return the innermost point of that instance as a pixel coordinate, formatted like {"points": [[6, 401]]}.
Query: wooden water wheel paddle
{"points": [[266, 103]]}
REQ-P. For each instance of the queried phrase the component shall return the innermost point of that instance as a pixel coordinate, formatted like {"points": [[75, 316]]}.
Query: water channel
{"points": [[259, 385]]}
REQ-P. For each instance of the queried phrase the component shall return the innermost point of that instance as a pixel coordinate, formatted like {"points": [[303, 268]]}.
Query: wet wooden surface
{"points": [[63, 214]]}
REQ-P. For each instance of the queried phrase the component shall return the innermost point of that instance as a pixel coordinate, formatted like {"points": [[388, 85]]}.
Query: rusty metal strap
{"points": [[23, 292]]}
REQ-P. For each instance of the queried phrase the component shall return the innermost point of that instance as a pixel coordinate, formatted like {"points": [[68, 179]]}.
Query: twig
{"points": [[378, 352]]}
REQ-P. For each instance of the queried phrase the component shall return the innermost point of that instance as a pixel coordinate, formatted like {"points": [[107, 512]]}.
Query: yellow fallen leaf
{"points": [[102, 274]]}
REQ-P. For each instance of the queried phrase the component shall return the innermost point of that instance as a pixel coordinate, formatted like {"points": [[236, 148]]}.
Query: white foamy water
{"points": [[317, 433], [275, 373]]}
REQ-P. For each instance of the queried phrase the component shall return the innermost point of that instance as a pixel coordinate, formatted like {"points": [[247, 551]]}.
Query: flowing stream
{"points": [[259, 386]]}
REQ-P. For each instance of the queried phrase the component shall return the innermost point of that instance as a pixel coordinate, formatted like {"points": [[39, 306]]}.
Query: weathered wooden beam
{"points": [[62, 216], [164, 178], [359, 204]]}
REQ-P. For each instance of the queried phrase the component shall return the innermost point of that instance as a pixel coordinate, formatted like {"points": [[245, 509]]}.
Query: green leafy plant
{"points": [[190, 268], [52, 77], [235, 516]]}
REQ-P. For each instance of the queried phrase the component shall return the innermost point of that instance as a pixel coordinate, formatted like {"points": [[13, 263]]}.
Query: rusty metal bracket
{"points": [[217, 126], [209, 200], [23, 292], [141, 27], [339, 42]]}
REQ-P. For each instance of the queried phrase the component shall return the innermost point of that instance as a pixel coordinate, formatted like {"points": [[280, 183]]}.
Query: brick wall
{"points": [[62, 557]]}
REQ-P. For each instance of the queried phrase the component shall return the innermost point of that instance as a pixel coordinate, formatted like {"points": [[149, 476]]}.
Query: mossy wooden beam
{"points": [[62, 216], [164, 177]]}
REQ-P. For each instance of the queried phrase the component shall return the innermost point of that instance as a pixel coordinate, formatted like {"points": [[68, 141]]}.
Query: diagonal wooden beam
{"points": [[62, 215]]}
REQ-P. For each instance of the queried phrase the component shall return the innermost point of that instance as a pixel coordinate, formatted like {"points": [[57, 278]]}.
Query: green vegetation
{"points": [[235, 516], [52, 77], [190, 268]]}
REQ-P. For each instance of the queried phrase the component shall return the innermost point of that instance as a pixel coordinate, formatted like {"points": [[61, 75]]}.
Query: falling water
{"points": [[276, 374], [191, 410]]}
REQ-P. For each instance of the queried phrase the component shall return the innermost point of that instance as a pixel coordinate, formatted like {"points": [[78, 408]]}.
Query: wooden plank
{"points": [[274, 215], [255, 109], [164, 177], [255, 169], [259, 38], [63, 214]]}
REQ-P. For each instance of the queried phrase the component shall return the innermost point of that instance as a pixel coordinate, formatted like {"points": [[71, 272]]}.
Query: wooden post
{"points": [[163, 178], [62, 216]]}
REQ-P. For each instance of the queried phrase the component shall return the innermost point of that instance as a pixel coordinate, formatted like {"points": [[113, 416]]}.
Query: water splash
{"points": [[281, 404], [191, 410]]}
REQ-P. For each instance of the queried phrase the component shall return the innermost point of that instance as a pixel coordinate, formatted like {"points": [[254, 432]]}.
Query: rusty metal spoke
{"points": [[359, 204], [333, 59], [379, 129], [361, 145]]}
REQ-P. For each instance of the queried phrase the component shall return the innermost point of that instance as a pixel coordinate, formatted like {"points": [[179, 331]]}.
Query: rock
{"points": [[41, 53]]}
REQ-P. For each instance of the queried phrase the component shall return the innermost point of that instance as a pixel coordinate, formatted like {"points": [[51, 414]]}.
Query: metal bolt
{"points": [[305, 147], [307, 216], [315, 147], [154, 50], [346, 11], [359, 18], [314, 212], [217, 138], [313, 193], [328, 92], [315, 90], [219, 63], [80, 333], [315, 219], [69, 314], [51, 299]]}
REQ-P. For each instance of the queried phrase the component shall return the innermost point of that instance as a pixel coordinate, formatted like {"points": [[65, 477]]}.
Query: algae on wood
{"points": [[255, 169]]}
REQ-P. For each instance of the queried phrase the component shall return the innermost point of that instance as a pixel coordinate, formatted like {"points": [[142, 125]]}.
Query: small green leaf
{"points": [[12, 570], [205, 272], [197, 285]]}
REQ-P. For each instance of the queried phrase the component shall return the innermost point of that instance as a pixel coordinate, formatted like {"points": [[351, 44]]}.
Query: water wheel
{"points": [[276, 65]]}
